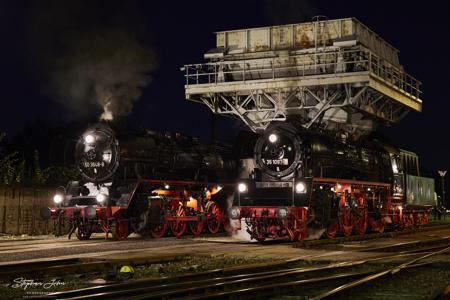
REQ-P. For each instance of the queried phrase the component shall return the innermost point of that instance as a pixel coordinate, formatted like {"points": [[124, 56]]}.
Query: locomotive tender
{"points": [[142, 182], [311, 179]]}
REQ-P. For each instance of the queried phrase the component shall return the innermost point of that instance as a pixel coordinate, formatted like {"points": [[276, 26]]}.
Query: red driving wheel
{"points": [[331, 230], [360, 216], [119, 228], [196, 227], [214, 218], [345, 217], [178, 227], [377, 224], [158, 231]]}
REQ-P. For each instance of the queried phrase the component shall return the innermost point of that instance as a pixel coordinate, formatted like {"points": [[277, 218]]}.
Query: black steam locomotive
{"points": [[309, 179], [106, 155], [143, 181]]}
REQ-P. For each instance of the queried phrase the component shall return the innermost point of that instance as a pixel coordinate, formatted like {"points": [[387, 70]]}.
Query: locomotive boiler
{"points": [[307, 179], [106, 155], [144, 182]]}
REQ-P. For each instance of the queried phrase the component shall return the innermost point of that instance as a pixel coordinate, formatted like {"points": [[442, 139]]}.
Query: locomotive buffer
{"points": [[337, 73]]}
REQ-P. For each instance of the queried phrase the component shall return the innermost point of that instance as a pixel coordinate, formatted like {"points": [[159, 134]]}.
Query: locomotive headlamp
{"points": [[89, 139], [166, 186], [234, 212], [101, 198], [242, 187], [300, 187], [273, 138], [57, 199], [282, 212]]}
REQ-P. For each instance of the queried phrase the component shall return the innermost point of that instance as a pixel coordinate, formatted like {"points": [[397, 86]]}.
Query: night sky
{"points": [[41, 39]]}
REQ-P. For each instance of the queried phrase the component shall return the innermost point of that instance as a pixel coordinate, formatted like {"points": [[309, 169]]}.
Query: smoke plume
{"points": [[89, 55], [108, 69]]}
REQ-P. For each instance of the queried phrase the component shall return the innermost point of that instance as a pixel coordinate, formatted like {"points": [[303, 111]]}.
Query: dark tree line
{"points": [[38, 156]]}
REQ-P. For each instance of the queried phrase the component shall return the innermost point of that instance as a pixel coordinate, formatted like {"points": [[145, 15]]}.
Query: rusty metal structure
{"points": [[336, 74]]}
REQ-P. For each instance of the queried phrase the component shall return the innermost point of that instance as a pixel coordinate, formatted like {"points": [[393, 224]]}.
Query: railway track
{"points": [[76, 265], [369, 236], [236, 281], [377, 275], [249, 280]]}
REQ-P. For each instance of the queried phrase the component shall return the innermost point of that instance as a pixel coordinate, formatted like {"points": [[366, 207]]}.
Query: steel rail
{"points": [[266, 288], [169, 289], [338, 240], [73, 265], [161, 280], [409, 244], [392, 271]]}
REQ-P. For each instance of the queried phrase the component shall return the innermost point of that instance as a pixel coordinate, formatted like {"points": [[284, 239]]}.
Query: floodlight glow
{"points": [[300, 187], [100, 198], [273, 138], [57, 199]]}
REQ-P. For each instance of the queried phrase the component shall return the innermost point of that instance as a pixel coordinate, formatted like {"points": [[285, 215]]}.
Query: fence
{"points": [[302, 65], [19, 210]]}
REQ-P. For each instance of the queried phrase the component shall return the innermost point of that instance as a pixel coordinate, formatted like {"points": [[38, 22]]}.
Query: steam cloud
{"points": [[111, 74], [89, 56]]}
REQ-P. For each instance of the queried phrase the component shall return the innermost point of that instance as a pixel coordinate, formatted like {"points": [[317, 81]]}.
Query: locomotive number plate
{"points": [[93, 164], [276, 162], [276, 184]]}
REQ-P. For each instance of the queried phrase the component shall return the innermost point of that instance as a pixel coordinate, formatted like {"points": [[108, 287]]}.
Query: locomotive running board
{"points": [[349, 181]]}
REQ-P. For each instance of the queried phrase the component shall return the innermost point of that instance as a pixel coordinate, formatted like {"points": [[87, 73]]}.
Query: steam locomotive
{"points": [[143, 182], [305, 180]]}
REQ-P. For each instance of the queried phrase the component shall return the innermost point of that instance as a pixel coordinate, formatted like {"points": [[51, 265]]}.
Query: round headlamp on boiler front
{"points": [[242, 187], [273, 138], [89, 139]]}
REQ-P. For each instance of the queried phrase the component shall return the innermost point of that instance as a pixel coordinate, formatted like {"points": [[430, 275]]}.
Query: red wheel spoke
{"points": [[196, 228], [120, 229], [331, 230], [361, 216], [214, 218], [159, 230], [178, 227]]}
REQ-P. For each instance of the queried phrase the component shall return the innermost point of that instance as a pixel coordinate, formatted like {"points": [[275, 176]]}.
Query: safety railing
{"points": [[303, 65]]}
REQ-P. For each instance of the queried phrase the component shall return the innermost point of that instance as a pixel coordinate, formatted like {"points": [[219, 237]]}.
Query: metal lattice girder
{"points": [[352, 93]]}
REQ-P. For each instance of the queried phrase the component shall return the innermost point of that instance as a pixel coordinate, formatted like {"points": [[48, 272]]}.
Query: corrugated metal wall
{"points": [[19, 211]]}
